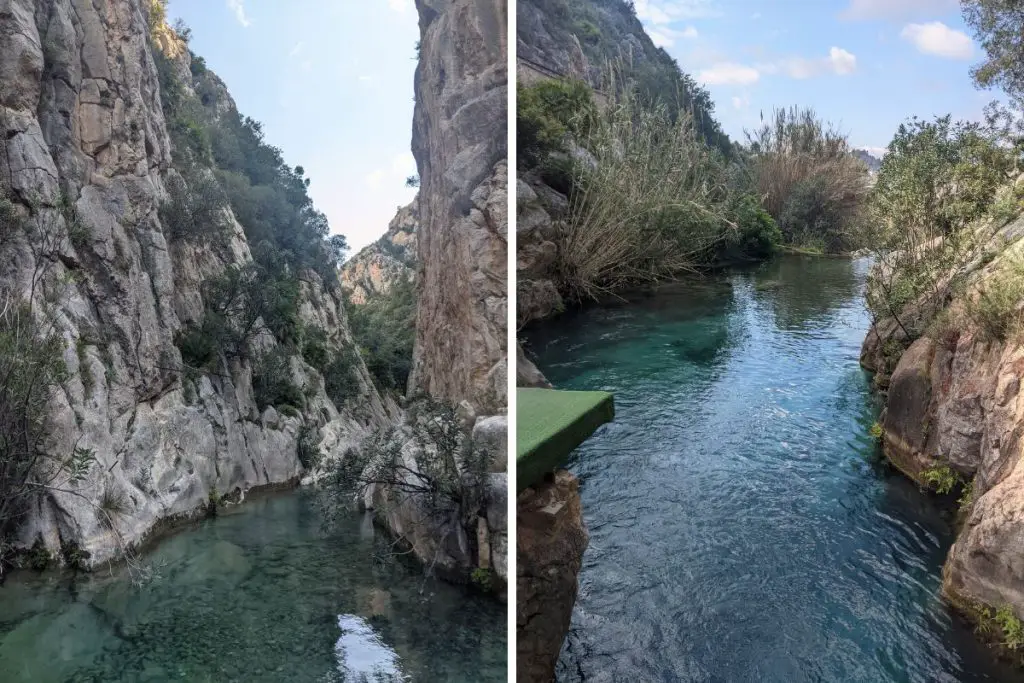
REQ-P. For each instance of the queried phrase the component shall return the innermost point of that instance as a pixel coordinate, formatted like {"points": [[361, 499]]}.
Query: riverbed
{"points": [[263, 592], [743, 526]]}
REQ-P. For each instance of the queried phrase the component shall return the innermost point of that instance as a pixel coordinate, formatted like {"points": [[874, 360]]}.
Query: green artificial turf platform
{"points": [[550, 424]]}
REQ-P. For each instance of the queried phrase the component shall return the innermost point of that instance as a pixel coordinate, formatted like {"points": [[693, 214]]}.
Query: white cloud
{"points": [[842, 62], [741, 102], [238, 7], [728, 73], [663, 36], [936, 38], [896, 9], [297, 49], [667, 11], [839, 62], [399, 5]]}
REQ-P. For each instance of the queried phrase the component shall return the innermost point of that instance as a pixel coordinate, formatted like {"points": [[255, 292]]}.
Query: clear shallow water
{"points": [[258, 594], [742, 526]]}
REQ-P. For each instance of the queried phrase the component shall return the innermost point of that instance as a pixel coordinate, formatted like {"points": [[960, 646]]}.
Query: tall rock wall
{"points": [[85, 155], [392, 258], [954, 400], [460, 145]]}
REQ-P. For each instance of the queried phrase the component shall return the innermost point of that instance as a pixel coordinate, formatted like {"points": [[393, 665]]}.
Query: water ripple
{"points": [[742, 528]]}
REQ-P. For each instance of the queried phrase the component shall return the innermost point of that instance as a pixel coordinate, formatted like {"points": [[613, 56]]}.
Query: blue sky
{"points": [[332, 83], [865, 65]]}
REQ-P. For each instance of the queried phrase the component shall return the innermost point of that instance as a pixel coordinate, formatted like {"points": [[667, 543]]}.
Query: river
{"points": [[260, 593], [743, 526]]}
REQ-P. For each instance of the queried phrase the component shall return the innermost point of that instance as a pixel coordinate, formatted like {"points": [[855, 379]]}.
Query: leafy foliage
{"points": [[385, 328], [272, 381], [942, 478], [446, 481], [196, 207], [656, 202], [999, 26], [937, 186], [996, 303], [546, 113], [809, 178]]}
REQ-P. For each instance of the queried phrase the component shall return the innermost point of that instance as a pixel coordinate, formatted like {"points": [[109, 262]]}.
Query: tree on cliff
{"points": [[999, 26]]}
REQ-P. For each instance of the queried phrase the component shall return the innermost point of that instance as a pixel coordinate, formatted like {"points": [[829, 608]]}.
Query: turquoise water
{"points": [[742, 526], [260, 593]]}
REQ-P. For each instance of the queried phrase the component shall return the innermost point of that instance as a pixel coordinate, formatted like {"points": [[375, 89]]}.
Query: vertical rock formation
{"points": [[393, 257], [460, 144], [954, 407], [550, 542], [85, 155]]}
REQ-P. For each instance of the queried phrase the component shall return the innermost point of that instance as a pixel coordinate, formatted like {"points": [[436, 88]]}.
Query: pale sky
{"points": [[865, 65], [332, 83]]}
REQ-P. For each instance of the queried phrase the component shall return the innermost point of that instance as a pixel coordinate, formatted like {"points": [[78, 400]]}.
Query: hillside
{"points": [[588, 39], [171, 281]]}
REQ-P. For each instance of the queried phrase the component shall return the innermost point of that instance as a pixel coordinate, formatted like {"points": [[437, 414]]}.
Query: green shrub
{"points": [[656, 204], [38, 557], [810, 217], [272, 382], [315, 347], [1011, 626], [196, 208], [483, 579], [340, 380], [384, 329], [756, 235], [809, 178], [966, 499], [876, 431], [941, 478], [308, 447], [546, 113], [996, 308]]}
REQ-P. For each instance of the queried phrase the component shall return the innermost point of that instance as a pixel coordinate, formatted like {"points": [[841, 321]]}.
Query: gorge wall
{"points": [[954, 405], [460, 351], [393, 257], [460, 143], [86, 161]]}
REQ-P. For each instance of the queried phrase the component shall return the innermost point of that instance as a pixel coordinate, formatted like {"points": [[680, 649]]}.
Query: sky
{"points": [[864, 65], [332, 83]]}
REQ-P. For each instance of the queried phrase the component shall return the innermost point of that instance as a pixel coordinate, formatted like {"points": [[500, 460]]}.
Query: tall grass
{"points": [[808, 179], [652, 206]]}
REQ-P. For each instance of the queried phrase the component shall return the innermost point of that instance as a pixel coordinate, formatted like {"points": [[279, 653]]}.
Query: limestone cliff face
{"points": [[954, 400], [376, 268], [460, 145], [81, 119]]}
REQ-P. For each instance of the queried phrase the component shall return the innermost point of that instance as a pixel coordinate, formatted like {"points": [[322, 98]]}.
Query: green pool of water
{"points": [[261, 593], [742, 525]]}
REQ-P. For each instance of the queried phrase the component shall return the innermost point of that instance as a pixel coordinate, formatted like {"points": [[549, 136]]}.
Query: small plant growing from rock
{"points": [[941, 478], [75, 556], [213, 501], [966, 499], [38, 557], [482, 578], [1011, 626], [876, 431]]}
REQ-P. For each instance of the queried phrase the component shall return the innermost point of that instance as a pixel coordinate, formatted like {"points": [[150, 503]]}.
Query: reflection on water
{"points": [[260, 593], [362, 655], [742, 526]]}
